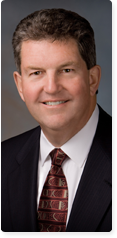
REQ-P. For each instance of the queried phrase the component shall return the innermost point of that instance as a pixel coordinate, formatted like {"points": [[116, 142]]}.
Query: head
{"points": [[56, 24], [57, 73]]}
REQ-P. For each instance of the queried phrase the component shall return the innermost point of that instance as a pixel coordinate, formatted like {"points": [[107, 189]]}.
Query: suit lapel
{"points": [[23, 186], [94, 193]]}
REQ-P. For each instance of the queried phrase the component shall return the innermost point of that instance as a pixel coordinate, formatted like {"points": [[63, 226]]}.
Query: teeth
{"points": [[54, 103]]}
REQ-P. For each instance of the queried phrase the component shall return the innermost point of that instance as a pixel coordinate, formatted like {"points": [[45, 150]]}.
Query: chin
{"points": [[55, 126]]}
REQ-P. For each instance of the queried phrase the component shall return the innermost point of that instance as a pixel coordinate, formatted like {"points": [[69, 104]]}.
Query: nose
{"points": [[52, 84]]}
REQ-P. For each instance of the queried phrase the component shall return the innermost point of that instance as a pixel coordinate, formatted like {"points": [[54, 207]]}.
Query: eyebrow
{"points": [[30, 67], [68, 64], [34, 68]]}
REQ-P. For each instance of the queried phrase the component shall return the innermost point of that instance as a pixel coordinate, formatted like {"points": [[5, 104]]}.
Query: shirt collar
{"points": [[77, 148]]}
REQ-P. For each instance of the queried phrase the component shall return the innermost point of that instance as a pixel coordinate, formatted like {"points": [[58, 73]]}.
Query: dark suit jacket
{"points": [[91, 210]]}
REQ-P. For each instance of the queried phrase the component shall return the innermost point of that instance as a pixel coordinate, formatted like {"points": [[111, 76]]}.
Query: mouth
{"points": [[54, 103]]}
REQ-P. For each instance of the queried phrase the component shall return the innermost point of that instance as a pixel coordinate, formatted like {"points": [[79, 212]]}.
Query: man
{"points": [[58, 80]]}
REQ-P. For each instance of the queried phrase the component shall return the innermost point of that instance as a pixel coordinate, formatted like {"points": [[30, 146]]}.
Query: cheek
{"points": [[29, 94], [79, 88]]}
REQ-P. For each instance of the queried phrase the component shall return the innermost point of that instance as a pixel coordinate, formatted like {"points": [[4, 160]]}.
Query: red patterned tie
{"points": [[53, 205]]}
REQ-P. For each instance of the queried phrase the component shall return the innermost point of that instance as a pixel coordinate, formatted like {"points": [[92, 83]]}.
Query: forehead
{"points": [[49, 51], [48, 43]]}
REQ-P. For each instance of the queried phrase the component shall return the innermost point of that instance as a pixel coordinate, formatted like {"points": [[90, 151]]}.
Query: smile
{"points": [[54, 103]]}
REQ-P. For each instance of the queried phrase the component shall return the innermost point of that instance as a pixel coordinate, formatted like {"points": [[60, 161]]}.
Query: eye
{"points": [[67, 70], [37, 73]]}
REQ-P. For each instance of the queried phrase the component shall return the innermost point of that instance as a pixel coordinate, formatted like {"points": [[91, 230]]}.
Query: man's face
{"points": [[55, 84]]}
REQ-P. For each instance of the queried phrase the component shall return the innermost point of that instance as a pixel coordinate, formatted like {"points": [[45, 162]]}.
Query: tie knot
{"points": [[57, 156]]}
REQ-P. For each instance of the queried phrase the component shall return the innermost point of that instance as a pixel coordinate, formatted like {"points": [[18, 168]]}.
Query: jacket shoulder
{"points": [[11, 147]]}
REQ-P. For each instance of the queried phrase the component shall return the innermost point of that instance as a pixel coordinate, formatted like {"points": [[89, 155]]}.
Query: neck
{"points": [[60, 137]]}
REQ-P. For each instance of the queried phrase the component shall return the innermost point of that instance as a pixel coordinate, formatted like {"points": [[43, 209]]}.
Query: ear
{"points": [[18, 82], [94, 79]]}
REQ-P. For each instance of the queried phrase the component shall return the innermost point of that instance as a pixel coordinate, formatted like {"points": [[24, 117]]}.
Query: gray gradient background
{"points": [[15, 116]]}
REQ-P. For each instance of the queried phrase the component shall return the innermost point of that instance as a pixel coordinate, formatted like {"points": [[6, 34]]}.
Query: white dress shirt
{"points": [[77, 148]]}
